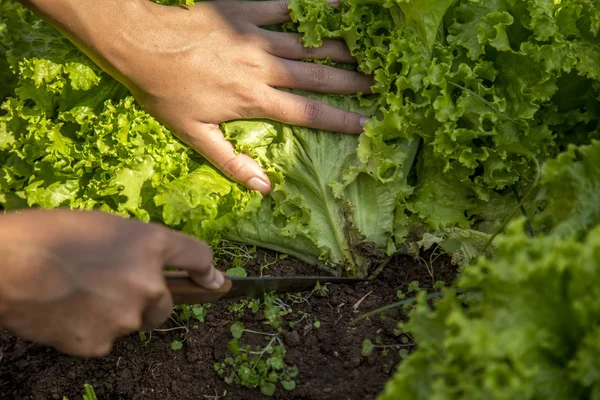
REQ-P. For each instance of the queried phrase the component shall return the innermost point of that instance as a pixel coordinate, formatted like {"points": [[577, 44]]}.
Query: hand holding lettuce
{"points": [[193, 68], [467, 95]]}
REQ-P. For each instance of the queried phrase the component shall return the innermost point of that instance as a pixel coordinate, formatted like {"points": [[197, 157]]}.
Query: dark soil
{"points": [[328, 358]]}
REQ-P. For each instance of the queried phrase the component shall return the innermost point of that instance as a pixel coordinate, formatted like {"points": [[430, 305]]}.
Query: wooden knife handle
{"points": [[185, 291]]}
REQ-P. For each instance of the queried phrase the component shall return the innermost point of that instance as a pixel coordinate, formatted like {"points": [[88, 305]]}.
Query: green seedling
{"points": [[304, 316], [89, 393], [237, 255], [145, 337], [176, 345], [185, 317], [436, 253], [413, 287], [257, 366], [216, 396], [239, 272], [368, 347]]}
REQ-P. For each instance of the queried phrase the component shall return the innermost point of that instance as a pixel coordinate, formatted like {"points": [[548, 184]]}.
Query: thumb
{"points": [[208, 140], [192, 255]]}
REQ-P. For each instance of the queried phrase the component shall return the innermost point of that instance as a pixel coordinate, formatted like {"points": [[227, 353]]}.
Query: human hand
{"points": [[195, 68], [77, 280]]}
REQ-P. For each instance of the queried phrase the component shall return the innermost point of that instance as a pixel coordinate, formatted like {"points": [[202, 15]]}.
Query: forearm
{"points": [[103, 29], [23, 257]]}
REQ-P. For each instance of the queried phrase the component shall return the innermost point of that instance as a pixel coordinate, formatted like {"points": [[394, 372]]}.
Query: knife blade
{"points": [[185, 291]]}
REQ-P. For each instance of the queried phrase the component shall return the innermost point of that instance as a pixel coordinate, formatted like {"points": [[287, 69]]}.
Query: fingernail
{"points": [[218, 281], [258, 184], [364, 120], [335, 3], [219, 278]]}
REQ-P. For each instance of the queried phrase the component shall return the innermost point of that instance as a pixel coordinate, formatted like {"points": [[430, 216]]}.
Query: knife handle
{"points": [[185, 291]]}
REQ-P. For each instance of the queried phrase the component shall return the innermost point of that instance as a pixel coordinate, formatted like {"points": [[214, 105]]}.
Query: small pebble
{"points": [[292, 338]]}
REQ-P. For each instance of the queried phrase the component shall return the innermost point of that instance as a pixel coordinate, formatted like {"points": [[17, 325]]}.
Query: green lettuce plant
{"points": [[469, 97]]}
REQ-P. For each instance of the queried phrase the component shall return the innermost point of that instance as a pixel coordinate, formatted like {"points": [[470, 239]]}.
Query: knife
{"points": [[185, 291]]}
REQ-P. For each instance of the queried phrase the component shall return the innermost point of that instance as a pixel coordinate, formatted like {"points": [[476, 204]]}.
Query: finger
{"points": [[264, 13], [301, 111], [271, 12], [289, 45], [193, 255], [157, 311], [209, 141], [319, 78]]}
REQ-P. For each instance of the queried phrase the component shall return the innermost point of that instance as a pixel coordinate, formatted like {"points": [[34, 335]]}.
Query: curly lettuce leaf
{"points": [[573, 198], [528, 332], [324, 193], [71, 136], [467, 94], [488, 86]]}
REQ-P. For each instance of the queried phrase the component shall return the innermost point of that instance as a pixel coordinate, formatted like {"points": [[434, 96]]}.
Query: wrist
{"points": [[27, 269], [102, 29]]}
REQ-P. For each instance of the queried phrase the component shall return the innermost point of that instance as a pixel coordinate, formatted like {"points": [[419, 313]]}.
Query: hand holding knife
{"points": [[185, 291]]}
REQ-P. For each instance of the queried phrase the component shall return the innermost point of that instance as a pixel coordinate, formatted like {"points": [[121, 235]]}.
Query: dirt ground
{"points": [[328, 358]]}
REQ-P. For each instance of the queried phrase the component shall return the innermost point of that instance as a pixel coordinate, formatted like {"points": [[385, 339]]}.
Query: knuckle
{"points": [[248, 38], [246, 101], [154, 290], [281, 7], [206, 264], [155, 240], [312, 111], [100, 349], [92, 348], [231, 9], [318, 76], [250, 103], [253, 60], [347, 119], [234, 167], [362, 82], [307, 53], [358, 80], [130, 323]]}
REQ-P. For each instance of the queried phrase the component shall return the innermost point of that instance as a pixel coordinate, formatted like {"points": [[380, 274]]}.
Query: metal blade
{"points": [[253, 286]]}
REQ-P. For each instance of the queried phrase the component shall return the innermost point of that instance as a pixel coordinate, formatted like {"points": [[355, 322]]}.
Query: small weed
{"points": [[264, 366], [216, 396], [237, 272], [304, 316], [276, 307], [185, 317], [191, 313], [265, 267], [439, 285], [239, 307], [259, 366], [368, 347], [89, 393], [436, 253], [234, 254], [145, 337], [237, 254], [413, 287], [176, 345]]}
